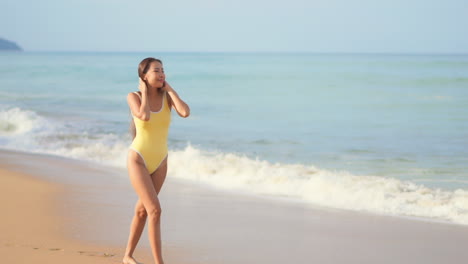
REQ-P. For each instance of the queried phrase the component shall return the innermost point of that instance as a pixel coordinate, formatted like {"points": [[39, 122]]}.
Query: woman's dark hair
{"points": [[143, 68]]}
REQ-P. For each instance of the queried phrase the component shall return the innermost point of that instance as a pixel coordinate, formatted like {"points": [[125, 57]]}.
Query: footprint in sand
{"points": [[56, 249], [86, 253], [96, 254]]}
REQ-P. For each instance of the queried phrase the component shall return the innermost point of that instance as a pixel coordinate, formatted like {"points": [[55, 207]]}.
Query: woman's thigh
{"points": [[159, 176], [142, 182]]}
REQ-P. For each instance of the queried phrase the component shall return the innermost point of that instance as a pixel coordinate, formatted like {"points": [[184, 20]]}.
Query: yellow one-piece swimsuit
{"points": [[150, 141]]}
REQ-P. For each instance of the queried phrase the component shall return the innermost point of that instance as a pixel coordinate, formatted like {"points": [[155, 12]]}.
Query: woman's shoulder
{"points": [[133, 96], [138, 93]]}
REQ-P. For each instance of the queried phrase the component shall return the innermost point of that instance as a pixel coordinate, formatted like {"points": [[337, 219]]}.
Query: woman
{"points": [[147, 156]]}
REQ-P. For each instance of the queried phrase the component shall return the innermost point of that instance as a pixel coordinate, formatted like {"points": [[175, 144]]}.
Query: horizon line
{"points": [[255, 52]]}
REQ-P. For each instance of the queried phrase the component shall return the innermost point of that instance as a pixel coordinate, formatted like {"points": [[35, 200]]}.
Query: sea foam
{"points": [[308, 183], [15, 121]]}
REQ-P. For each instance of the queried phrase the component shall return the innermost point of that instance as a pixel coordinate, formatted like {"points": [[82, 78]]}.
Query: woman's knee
{"points": [[154, 212], [141, 212]]}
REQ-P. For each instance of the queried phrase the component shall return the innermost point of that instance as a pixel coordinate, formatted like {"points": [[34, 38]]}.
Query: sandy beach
{"points": [[51, 216], [31, 229], [57, 210]]}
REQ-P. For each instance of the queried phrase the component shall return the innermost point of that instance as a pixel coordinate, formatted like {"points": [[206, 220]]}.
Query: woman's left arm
{"points": [[180, 106]]}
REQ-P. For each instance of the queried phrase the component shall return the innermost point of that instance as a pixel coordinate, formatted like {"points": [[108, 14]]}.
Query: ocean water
{"points": [[386, 134]]}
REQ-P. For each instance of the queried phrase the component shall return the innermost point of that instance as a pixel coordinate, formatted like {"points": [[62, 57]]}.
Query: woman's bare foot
{"points": [[129, 260]]}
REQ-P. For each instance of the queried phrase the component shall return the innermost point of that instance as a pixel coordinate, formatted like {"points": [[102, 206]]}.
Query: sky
{"points": [[319, 26]]}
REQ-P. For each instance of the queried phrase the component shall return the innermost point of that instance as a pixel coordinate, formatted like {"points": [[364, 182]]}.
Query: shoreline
{"points": [[103, 171], [89, 208]]}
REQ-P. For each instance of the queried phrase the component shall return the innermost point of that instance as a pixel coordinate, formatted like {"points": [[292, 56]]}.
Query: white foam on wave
{"points": [[107, 149], [15, 121], [336, 189], [27, 131]]}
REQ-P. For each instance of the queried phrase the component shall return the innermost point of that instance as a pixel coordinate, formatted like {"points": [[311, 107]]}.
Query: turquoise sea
{"points": [[382, 133]]}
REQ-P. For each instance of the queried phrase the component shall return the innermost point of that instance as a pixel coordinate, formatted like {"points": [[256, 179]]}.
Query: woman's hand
{"points": [[142, 86], [166, 87], [180, 106]]}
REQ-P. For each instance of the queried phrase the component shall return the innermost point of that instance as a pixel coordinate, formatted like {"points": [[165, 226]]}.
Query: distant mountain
{"points": [[9, 45]]}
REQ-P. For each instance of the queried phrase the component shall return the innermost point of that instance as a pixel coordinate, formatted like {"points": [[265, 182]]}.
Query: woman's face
{"points": [[155, 75]]}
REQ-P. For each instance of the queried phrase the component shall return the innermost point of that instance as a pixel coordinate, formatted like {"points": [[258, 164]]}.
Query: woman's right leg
{"points": [[143, 185], [136, 229]]}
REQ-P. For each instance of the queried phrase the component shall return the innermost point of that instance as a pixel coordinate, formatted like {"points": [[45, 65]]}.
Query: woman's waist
{"points": [[138, 144], [152, 133], [152, 124], [149, 139], [149, 134]]}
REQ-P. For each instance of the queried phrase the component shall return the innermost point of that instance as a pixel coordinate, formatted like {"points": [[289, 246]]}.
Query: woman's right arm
{"points": [[139, 109]]}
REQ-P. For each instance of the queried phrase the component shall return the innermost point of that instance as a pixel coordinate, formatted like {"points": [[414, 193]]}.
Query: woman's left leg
{"points": [[158, 178], [159, 175]]}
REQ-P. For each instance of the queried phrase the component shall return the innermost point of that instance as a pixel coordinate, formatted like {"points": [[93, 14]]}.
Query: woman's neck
{"points": [[153, 92]]}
